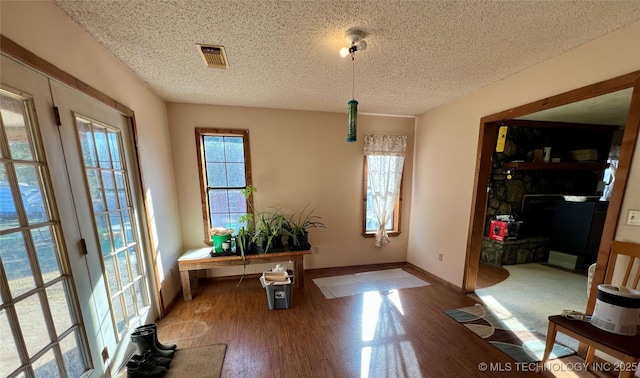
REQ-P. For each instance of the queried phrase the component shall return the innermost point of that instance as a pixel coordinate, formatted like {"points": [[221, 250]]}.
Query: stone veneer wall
{"points": [[506, 195], [511, 252]]}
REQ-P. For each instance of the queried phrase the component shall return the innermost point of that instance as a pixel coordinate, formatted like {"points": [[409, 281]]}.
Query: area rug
{"points": [[198, 362], [506, 333], [379, 280]]}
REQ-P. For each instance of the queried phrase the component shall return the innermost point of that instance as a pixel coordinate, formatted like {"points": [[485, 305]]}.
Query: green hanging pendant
{"points": [[353, 121]]}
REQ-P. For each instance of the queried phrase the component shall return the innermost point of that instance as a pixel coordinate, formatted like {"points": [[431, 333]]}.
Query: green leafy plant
{"points": [[271, 226], [246, 233], [297, 227]]}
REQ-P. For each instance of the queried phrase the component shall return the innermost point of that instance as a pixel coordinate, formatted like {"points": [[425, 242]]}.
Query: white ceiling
{"points": [[284, 54], [609, 109]]}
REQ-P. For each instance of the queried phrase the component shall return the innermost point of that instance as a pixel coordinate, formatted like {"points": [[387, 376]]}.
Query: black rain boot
{"points": [[155, 360], [145, 342], [154, 327], [144, 369]]}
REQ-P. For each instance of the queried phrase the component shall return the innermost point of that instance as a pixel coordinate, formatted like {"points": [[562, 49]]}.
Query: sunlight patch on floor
{"points": [[370, 313], [383, 352]]}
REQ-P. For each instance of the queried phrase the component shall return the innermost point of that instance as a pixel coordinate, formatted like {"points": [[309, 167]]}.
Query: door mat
{"points": [[380, 280], [198, 362], [506, 333]]}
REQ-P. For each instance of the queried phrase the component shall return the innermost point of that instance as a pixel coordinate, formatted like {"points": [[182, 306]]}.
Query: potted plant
{"points": [[297, 228], [219, 236], [271, 227], [247, 234]]}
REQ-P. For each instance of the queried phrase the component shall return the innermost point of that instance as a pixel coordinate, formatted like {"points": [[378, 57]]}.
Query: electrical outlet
{"points": [[439, 256], [316, 250], [634, 218]]}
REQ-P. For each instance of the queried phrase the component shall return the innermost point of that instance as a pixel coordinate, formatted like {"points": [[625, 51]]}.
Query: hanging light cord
{"points": [[353, 73], [353, 79]]}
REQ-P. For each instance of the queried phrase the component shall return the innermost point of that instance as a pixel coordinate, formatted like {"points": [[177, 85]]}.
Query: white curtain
{"points": [[385, 159]]}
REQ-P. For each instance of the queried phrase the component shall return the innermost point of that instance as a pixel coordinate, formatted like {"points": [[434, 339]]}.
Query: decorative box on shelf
{"points": [[502, 230]]}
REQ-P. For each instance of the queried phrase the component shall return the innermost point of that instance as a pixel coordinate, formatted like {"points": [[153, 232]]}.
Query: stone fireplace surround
{"points": [[506, 195]]}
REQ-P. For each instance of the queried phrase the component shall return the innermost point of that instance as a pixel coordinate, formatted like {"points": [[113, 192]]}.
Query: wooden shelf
{"points": [[537, 166]]}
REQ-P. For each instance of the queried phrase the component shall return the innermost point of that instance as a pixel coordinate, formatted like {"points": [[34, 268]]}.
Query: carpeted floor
{"points": [[380, 280], [532, 292], [198, 362]]}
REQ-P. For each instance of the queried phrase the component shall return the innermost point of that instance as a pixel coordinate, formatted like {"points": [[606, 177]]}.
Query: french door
{"points": [[72, 269]]}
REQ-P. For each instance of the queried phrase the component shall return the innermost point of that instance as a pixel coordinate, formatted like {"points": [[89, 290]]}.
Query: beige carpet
{"points": [[198, 362], [532, 292]]}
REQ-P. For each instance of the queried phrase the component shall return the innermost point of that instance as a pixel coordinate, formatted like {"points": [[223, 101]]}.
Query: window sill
{"points": [[391, 234]]}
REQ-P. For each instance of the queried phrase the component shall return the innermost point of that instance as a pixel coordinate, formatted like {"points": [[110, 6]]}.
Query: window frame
{"points": [[204, 195], [396, 230]]}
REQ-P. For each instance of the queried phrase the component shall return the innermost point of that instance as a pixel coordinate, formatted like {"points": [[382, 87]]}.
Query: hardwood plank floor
{"points": [[357, 336], [489, 275]]}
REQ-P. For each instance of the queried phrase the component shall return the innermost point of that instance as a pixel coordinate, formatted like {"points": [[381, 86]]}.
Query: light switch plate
{"points": [[634, 218]]}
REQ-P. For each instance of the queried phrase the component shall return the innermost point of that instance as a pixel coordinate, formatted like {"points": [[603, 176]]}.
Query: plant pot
{"points": [[243, 242], [218, 240], [276, 245], [299, 242]]}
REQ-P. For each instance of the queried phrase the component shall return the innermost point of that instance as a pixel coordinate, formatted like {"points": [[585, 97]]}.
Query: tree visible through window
{"points": [[223, 160]]}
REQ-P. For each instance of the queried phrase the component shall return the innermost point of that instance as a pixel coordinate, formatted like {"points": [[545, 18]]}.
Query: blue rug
{"points": [[506, 333]]}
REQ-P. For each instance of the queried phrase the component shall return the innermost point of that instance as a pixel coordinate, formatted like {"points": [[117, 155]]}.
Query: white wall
{"points": [[442, 183], [446, 147], [631, 202], [296, 157], [40, 27]]}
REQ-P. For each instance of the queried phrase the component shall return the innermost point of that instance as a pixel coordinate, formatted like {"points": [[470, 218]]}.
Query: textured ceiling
{"points": [[284, 54], [609, 109]]}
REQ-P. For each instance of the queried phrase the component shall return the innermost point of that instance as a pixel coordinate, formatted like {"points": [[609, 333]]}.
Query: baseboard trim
{"points": [[363, 267], [430, 277], [433, 278]]}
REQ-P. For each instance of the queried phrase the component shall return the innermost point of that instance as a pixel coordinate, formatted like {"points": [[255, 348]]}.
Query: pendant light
{"points": [[355, 38]]}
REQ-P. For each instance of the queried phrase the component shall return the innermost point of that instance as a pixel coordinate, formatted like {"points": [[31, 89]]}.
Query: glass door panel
{"points": [[44, 272], [108, 184], [102, 169], [37, 310]]}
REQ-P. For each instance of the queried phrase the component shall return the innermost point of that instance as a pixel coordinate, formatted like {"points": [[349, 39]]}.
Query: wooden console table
{"points": [[197, 259]]}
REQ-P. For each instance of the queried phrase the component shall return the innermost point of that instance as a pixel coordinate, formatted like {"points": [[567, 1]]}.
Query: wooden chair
{"points": [[624, 348]]}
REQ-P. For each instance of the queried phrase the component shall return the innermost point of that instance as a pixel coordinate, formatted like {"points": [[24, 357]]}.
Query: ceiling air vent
{"points": [[214, 56]]}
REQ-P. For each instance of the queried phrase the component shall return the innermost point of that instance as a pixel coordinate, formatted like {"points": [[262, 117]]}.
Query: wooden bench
{"points": [[198, 259]]}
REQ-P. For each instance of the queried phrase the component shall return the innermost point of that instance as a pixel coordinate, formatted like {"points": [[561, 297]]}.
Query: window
{"points": [[223, 162], [370, 219], [384, 162]]}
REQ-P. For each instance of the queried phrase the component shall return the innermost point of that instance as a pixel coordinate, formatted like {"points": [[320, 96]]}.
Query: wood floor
{"points": [[489, 275], [356, 336]]}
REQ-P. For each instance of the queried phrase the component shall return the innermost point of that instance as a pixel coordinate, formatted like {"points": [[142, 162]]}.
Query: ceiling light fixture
{"points": [[355, 38]]}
